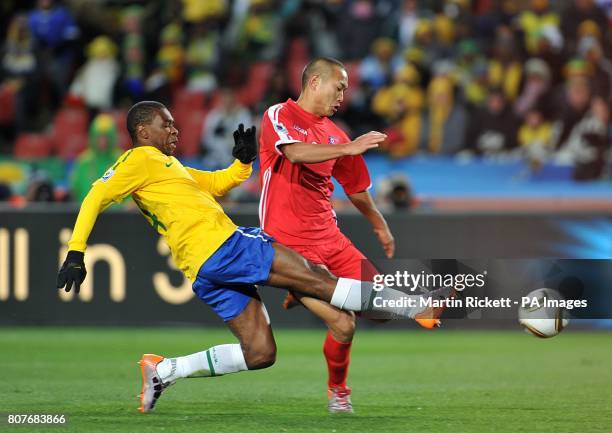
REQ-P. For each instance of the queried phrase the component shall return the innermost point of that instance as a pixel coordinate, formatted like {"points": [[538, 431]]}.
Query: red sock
{"points": [[338, 357]]}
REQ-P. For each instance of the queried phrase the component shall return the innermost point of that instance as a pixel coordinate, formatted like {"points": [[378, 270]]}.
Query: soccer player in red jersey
{"points": [[301, 149]]}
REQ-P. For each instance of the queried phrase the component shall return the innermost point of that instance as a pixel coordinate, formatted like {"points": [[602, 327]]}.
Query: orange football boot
{"points": [[429, 318], [152, 385]]}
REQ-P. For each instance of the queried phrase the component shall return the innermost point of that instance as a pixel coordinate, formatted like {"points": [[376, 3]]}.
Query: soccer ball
{"points": [[540, 313]]}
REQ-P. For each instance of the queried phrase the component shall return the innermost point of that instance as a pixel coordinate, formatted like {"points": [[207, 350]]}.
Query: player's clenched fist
{"points": [[364, 142], [72, 272], [245, 144]]}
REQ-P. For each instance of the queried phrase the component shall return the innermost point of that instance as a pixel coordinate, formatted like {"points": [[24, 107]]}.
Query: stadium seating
{"points": [[70, 132], [188, 100], [298, 57], [257, 82], [32, 146], [189, 124], [120, 117], [7, 102], [352, 69]]}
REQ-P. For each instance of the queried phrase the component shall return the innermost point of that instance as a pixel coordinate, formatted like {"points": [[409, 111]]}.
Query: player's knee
{"points": [[263, 356], [321, 270], [343, 326], [267, 359]]}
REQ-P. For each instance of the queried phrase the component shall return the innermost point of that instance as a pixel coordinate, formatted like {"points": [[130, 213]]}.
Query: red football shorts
{"points": [[340, 257]]}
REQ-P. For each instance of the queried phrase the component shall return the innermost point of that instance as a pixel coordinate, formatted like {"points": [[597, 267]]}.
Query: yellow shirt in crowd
{"points": [[541, 134]]}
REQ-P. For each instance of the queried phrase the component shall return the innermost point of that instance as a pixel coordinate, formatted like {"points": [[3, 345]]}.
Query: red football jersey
{"points": [[295, 206]]}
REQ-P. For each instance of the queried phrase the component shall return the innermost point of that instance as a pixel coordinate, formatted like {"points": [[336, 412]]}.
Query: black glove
{"points": [[72, 271], [245, 144]]}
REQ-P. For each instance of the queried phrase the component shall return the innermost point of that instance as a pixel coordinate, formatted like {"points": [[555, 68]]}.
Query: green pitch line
{"points": [[419, 381]]}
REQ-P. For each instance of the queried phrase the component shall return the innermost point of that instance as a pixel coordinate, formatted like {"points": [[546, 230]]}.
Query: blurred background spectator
{"points": [[19, 87], [219, 126], [527, 79], [445, 119], [535, 137], [102, 152], [95, 81], [537, 88], [492, 128], [55, 33], [395, 193]]}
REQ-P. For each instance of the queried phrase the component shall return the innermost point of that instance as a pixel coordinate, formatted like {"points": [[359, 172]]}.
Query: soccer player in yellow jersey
{"points": [[223, 261]]}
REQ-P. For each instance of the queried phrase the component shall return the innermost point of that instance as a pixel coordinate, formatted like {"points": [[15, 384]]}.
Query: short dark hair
{"points": [[141, 113], [317, 66]]}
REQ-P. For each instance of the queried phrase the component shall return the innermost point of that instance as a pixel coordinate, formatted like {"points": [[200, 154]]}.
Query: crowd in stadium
{"points": [[526, 79]]}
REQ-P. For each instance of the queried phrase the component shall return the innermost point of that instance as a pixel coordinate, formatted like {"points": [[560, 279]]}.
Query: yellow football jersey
{"points": [[178, 201]]}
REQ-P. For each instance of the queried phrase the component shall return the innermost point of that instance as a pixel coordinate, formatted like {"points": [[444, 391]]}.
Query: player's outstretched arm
{"points": [[219, 182], [365, 204], [127, 175], [301, 152], [73, 272]]}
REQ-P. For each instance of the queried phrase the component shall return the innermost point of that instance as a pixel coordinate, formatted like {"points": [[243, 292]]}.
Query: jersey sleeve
{"points": [[127, 175], [275, 129], [352, 173], [219, 182]]}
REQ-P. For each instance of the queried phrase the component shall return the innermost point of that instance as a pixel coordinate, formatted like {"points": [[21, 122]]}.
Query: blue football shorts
{"points": [[226, 281]]}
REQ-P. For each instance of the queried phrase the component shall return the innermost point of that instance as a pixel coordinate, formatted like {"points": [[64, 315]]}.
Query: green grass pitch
{"points": [[410, 381]]}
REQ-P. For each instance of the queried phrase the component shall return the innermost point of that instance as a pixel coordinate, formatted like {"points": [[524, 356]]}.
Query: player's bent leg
{"points": [[158, 373], [348, 261], [337, 346], [337, 350], [253, 330], [292, 271], [340, 323], [246, 317], [249, 256]]}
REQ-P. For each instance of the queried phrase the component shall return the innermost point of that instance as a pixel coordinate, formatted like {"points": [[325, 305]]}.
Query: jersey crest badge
{"points": [[280, 128], [109, 173]]}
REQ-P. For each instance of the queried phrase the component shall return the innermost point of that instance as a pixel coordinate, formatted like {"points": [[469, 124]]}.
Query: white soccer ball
{"points": [[540, 313]]}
